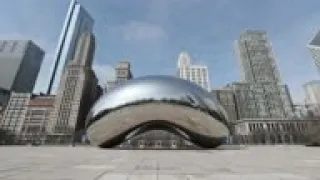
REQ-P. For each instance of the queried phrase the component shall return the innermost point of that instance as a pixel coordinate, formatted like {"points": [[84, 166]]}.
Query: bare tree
{"points": [[6, 137], [313, 133]]}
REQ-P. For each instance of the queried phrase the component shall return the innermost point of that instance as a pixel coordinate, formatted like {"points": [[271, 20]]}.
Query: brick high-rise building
{"points": [[27, 115], [34, 129]]}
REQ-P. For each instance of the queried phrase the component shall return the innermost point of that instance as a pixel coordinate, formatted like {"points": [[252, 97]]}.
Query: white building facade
{"points": [[197, 74]]}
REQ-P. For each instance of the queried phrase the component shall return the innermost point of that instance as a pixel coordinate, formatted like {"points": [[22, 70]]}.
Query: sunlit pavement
{"points": [[250, 163]]}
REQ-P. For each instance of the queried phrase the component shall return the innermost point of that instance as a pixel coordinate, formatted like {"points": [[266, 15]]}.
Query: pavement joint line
{"points": [[272, 163], [14, 172], [101, 174], [108, 171], [157, 170]]}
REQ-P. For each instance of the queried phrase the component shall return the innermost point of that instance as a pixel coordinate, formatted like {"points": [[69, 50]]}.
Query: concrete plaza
{"points": [[86, 163]]}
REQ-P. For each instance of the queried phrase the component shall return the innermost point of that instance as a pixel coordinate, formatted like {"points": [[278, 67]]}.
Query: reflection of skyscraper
{"points": [[195, 73], [123, 72], [77, 22], [314, 48]]}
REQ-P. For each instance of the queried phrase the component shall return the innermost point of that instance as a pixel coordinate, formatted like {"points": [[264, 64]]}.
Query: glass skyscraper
{"points": [[20, 62], [314, 47], [77, 22]]}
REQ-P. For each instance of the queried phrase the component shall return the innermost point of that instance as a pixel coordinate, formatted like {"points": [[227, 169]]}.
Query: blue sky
{"points": [[151, 33]]}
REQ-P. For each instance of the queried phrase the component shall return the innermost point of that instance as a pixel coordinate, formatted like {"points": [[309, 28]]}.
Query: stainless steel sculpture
{"points": [[157, 102]]}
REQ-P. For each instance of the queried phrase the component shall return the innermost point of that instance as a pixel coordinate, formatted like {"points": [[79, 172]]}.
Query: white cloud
{"points": [[104, 73], [141, 31]]}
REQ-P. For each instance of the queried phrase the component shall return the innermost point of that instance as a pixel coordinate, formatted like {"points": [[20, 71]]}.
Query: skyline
{"points": [[151, 34]]}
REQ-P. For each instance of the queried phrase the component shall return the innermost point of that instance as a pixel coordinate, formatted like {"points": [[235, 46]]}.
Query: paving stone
{"points": [[85, 163]]}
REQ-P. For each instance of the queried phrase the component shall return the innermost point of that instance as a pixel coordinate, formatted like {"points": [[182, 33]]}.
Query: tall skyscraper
{"points": [[257, 61], [76, 93], [312, 97], [20, 62], [197, 74], [314, 48], [262, 94], [77, 22], [312, 92]]}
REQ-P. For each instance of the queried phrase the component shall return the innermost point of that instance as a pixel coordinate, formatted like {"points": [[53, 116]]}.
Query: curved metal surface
{"points": [[157, 125], [157, 88]]}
